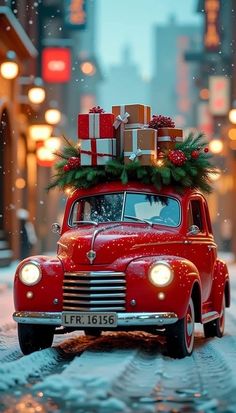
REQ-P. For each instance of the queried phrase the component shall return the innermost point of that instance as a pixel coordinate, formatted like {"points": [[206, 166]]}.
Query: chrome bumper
{"points": [[124, 319]]}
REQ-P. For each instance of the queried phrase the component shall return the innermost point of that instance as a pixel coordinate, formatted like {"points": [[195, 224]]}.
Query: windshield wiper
{"points": [[85, 222], [138, 219]]}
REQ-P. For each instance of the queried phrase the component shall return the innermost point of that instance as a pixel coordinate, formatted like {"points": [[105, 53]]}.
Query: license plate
{"points": [[89, 319]]}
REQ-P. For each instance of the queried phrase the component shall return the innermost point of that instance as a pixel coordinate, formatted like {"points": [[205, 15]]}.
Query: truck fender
{"points": [[221, 285], [186, 281], [47, 291]]}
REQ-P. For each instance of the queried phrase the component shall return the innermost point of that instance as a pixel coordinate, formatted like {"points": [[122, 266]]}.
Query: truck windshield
{"points": [[129, 207]]}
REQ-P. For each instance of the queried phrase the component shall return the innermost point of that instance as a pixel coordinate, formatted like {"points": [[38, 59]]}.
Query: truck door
{"points": [[201, 248]]}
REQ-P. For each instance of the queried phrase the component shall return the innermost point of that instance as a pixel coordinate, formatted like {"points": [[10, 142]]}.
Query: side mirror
{"points": [[193, 230], [56, 228]]}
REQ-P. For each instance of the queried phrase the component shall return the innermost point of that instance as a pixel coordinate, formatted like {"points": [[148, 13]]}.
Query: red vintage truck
{"points": [[129, 257]]}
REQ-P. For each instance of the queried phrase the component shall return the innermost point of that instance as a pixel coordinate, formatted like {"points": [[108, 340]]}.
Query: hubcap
{"points": [[222, 317], [189, 327]]}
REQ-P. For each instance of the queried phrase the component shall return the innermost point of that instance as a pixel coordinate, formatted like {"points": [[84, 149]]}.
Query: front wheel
{"points": [[216, 327], [180, 336], [34, 337]]}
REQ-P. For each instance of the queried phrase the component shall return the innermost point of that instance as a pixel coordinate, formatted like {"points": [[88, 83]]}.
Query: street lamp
{"points": [[46, 151], [40, 132], [88, 68], [216, 146], [52, 144], [232, 134], [232, 113], [9, 69], [36, 93], [32, 90], [53, 116], [44, 154]]}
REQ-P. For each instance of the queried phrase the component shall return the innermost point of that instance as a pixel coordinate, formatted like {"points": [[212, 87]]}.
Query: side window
{"points": [[208, 221], [195, 216]]}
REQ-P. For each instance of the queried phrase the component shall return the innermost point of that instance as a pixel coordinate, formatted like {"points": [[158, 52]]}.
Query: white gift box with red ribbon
{"points": [[97, 151]]}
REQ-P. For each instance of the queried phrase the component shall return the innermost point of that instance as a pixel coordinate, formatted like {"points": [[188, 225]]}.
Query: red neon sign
{"points": [[56, 64]]}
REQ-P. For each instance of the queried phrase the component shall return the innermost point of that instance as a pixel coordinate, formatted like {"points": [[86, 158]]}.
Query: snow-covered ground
{"points": [[118, 372]]}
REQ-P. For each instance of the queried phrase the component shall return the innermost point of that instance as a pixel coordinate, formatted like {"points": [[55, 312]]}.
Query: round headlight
{"points": [[161, 274], [30, 273]]}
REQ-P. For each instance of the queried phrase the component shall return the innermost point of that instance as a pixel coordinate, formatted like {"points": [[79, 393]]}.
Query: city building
{"points": [[125, 82], [53, 44], [172, 86], [16, 50], [216, 92]]}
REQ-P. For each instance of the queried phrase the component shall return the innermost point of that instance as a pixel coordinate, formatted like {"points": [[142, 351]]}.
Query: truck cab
{"points": [[129, 257]]}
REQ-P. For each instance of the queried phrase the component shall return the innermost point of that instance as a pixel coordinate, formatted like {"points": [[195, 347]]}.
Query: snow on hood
{"points": [[109, 241]]}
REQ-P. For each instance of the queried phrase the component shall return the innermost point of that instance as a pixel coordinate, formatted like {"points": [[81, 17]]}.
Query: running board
{"points": [[212, 315]]}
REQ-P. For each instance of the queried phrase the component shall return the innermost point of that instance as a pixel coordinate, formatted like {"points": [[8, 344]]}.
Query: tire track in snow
{"points": [[18, 372], [9, 347], [87, 382], [126, 380], [202, 381], [153, 378], [128, 372], [139, 377]]}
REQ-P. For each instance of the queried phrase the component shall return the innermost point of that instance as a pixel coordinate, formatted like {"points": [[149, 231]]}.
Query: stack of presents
{"points": [[124, 132]]}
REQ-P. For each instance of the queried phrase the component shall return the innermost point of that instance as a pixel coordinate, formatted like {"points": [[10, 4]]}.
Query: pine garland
{"points": [[193, 173]]}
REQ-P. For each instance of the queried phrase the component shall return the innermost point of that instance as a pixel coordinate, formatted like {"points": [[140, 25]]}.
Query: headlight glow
{"points": [[30, 273], [161, 274]]}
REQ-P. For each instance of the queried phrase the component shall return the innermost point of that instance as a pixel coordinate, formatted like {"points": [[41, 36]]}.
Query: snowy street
{"points": [[118, 372]]}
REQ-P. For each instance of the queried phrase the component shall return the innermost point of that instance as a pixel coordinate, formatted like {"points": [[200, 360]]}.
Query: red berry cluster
{"points": [[96, 109], [72, 163], [177, 157], [159, 121], [195, 154]]}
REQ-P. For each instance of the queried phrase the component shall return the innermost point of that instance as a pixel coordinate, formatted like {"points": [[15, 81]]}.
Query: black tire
{"points": [[216, 327], [34, 337], [94, 332], [180, 336]]}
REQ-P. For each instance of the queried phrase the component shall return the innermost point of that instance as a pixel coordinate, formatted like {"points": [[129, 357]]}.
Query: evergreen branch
{"points": [[193, 173]]}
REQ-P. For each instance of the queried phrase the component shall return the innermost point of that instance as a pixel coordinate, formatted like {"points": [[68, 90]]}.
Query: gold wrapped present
{"points": [[140, 144], [133, 116]]}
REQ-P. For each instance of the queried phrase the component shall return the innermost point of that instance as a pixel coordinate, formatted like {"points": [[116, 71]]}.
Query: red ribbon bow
{"points": [[160, 121], [96, 109]]}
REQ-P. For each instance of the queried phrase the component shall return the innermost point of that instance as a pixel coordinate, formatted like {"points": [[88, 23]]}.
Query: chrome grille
{"points": [[94, 291]]}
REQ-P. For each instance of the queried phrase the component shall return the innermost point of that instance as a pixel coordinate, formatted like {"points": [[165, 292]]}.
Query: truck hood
{"points": [[103, 244]]}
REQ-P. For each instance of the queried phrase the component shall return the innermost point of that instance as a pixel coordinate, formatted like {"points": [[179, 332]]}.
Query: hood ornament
{"points": [[91, 255]]}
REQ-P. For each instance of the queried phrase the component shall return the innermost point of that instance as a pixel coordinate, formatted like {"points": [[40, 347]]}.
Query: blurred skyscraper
{"points": [[123, 83], [172, 86], [86, 74]]}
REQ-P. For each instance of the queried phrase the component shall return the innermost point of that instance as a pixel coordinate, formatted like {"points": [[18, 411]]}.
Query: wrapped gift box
{"points": [[97, 151], [168, 137], [140, 144], [133, 116], [95, 125]]}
